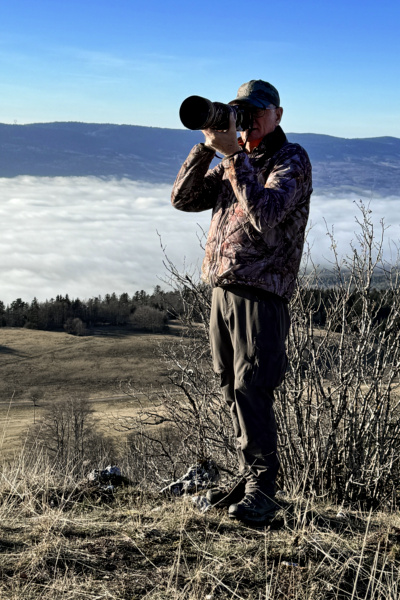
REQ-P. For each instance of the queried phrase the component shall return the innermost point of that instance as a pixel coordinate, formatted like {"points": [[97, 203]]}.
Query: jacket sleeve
{"points": [[287, 184], [196, 187]]}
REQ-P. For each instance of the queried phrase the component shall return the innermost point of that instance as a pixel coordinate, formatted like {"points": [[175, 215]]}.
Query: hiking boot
{"points": [[255, 507], [223, 498]]}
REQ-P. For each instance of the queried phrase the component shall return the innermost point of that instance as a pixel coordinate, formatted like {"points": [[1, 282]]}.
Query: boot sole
{"points": [[258, 520]]}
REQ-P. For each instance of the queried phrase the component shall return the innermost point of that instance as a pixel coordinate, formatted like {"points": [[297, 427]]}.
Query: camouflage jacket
{"points": [[260, 205]]}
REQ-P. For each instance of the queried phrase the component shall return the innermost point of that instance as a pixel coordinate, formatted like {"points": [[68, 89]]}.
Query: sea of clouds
{"points": [[87, 236]]}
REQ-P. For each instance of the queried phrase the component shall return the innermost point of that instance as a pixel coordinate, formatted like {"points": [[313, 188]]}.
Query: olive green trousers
{"points": [[248, 329]]}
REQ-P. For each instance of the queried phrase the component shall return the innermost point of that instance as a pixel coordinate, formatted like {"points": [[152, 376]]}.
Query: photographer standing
{"points": [[259, 195]]}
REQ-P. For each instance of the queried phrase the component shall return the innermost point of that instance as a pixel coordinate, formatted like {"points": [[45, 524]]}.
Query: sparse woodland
{"points": [[337, 534]]}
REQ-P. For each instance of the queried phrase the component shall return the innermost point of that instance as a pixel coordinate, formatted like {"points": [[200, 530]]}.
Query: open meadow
{"points": [[38, 368]]}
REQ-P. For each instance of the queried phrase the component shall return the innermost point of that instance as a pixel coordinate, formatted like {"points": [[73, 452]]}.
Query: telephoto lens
{"points": [[197, 112]]}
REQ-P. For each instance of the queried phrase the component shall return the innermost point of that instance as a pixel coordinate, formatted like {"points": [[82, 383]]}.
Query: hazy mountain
{"points": [[155, 155]]}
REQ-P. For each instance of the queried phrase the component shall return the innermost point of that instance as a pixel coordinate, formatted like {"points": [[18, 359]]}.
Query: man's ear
{"points": [[279, 113]]}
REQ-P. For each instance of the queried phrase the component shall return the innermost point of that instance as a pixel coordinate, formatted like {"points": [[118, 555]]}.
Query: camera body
{"points": [[197, 112]]}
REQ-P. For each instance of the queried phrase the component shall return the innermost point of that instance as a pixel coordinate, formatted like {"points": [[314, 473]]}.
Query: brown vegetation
{"points": [[59, 538]]}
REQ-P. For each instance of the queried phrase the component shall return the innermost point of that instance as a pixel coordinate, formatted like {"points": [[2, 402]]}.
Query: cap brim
{"points": [[247, 100]]}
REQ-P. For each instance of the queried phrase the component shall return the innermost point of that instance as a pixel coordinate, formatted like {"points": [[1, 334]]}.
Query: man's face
{"points": [[264, 122]]}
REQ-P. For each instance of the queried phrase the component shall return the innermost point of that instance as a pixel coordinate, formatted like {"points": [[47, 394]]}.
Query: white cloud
{"points": [[89, 236]]}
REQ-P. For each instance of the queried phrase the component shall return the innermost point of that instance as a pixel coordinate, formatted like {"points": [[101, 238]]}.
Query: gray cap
{"points": [[259, 93]]}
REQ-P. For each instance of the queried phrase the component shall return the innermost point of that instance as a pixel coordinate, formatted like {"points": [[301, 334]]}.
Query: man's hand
{"points": [[225, 142]]}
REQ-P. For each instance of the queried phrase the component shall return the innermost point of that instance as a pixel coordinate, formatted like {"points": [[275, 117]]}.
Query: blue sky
{"points": [[336, 65]]}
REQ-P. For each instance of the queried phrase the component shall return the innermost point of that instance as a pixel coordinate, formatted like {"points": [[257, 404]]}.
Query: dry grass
{"points": [[58, 539], [55, 364], [50, 361]]}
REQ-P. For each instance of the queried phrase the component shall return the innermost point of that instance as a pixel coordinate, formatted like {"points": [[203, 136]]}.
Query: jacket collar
{"points": [[270, 144]]}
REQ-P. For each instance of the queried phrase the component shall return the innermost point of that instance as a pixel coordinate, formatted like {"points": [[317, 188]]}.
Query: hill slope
{"points": [[154, 155]]}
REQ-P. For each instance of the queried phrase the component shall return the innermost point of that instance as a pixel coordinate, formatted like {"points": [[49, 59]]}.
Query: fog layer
{"points": [[86, 236]]}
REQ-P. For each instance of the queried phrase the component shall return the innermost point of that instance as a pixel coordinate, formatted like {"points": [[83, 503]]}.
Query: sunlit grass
{"points": [[60, 539]]}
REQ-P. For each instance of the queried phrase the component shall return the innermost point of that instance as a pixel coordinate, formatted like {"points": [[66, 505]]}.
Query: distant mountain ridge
{"points": [[155, 155]]}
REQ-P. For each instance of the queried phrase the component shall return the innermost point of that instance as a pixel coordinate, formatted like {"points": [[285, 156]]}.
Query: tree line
{"points": [[74, 315], [149, 311]]}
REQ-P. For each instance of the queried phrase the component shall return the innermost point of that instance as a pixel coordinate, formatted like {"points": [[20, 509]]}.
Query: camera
{"points": [[199, 113]]}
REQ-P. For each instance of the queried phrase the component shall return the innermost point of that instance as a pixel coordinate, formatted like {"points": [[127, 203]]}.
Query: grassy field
{"points": [[53, 365]]}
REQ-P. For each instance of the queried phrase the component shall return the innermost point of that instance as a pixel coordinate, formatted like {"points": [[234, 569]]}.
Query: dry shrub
{"points": [[186, 422], [147, 318], [69, 436], [338, 408], [75, 326]]}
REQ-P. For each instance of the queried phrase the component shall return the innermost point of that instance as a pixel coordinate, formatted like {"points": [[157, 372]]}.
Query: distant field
{"points": [[52, 365]]}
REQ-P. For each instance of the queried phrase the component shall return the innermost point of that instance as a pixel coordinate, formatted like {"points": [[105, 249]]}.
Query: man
{"points": [[259, 195]]}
